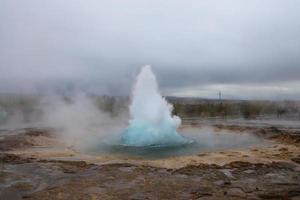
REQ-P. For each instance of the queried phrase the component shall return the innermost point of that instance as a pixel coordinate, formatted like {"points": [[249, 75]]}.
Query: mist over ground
{"points": [[71, 64], [84, 120], [78, 119]]}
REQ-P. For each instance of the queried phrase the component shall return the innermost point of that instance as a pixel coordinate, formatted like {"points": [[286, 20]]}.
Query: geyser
{"points": [[151, 122]]}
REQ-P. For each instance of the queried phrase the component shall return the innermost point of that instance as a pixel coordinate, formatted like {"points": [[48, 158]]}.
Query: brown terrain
{"points": [[36, 165]]}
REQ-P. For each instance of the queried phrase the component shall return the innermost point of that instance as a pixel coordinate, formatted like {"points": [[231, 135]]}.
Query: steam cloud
{"points": [[78, 120]]}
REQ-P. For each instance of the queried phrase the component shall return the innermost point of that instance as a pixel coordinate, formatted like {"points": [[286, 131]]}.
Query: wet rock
{"points": [[201, 192], [22, 138], [14, 159], [70, 167], [274, 129], [236, 192], [280, 193], [10, 194], [279, 179], [227, 172], [238, 164], [249, 171], [283, 149], [181, 176], [296, 159], [294, 193], [282, 165], [198, 169], [247, 185], [126, 181], [126, 169], [23, 186], [272, 195], [14, 142], [38, 132], [93, 190], [287, 138], [220, 183]]}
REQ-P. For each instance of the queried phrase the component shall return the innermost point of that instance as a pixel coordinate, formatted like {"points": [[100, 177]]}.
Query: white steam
{"points": [[78, 120]]}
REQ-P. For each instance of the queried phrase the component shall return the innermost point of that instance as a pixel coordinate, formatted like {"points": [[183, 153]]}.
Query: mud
{"points": [[36, 165]]}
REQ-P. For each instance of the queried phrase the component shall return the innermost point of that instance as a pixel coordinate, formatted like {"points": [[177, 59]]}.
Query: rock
{"points": [[227, 173], [238, 164], [37, 132], [126, 169], [296, 159], [249, 171], [10, 194], [14, 159], [219, 183], [202, 192], [270, 195], [181, 176], [283, 149], [248, 185], [138, 196], [93, 190], [236, 192], [23, 186], [294, 193]]}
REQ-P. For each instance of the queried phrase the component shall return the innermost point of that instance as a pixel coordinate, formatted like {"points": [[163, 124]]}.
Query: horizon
{"points": [[129, 96]]}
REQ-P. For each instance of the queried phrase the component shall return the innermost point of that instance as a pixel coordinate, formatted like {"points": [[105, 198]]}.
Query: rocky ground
{"points": [[36, 165]]}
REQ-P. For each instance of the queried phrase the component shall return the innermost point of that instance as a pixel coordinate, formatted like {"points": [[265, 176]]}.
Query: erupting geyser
{"points": [[151, 122]]}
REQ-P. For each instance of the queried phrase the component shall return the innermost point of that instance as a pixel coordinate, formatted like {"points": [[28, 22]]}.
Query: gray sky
{"points": [[248, 49]]}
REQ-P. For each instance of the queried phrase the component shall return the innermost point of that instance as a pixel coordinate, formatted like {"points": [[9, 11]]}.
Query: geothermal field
{"points": [[149, 100], [69, 148]]}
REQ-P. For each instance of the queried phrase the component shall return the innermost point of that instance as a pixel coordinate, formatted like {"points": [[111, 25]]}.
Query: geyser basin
{"points": [[151, 122], [152, 130], [144, 134], [204, 140]]}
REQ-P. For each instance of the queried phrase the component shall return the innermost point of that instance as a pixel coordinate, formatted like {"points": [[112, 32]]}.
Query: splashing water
{"points": [[151, 123]]}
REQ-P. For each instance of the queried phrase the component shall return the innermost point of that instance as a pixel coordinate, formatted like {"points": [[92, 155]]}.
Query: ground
{"points": [[36, 165]]}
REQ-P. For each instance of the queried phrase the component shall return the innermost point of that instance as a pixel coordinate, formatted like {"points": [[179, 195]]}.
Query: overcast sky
{"points": [[247, 49]]}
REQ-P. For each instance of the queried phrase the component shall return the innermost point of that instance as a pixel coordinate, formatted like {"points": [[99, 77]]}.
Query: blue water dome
{"points": [[152, 122]]}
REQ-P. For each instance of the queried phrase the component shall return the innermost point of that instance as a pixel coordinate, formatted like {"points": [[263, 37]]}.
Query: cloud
{"points": [[99, 45]]}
